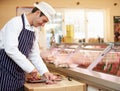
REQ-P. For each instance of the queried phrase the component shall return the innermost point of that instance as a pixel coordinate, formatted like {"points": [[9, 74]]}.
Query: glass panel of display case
{"points": [[101, 57]]}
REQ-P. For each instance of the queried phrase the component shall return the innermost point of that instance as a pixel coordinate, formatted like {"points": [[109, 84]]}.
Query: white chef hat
{"points": [[46, 9]]}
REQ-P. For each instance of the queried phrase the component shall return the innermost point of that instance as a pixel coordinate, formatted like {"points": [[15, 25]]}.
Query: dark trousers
{"points": [[21, 89]]}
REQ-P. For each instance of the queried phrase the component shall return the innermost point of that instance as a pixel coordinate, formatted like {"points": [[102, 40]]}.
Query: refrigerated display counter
{"points": [[98, 65]]}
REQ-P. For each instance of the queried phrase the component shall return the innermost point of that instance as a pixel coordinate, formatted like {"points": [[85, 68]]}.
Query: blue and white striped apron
{"points": [[12, 76]]}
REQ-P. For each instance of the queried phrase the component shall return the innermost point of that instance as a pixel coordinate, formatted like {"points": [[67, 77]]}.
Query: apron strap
{"points": [[22, 16]]}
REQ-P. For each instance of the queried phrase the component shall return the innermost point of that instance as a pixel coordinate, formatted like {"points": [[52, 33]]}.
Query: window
{"points": [[95, 24], [88, 23], [56, 26]]}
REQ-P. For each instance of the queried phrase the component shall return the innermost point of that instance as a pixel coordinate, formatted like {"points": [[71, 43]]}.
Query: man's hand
{"points": [[34, 74], [50, 77]]}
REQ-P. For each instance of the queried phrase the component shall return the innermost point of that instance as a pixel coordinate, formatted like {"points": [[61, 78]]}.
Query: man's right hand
{"points": [[34, 74]]}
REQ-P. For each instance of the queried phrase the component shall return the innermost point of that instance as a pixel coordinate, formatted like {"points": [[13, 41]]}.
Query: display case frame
{"points": [[103, 81]]}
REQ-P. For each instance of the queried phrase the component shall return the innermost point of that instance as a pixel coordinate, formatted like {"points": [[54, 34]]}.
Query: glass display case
{"points": [[100, 57]]}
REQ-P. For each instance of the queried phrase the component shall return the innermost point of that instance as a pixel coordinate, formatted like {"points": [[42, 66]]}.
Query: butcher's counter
{"points": [[64, 85], [105, 82]]}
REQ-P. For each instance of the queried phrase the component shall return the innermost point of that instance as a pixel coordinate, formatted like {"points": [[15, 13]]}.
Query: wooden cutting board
{"points": [[64, 85]]}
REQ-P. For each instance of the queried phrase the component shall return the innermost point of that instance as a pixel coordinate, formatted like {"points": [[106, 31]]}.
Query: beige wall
{"points": [[8, 9]]}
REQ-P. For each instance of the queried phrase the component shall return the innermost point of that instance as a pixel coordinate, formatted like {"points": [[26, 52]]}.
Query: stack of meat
{"points": [[69, 57], [110, 64], [49, 55]]}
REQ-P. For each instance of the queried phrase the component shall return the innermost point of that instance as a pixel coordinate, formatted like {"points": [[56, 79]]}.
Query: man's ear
{"points": [[37, 13]]}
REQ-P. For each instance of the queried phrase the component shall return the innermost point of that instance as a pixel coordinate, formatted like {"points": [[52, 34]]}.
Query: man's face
{"points": [[40, 20]]}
